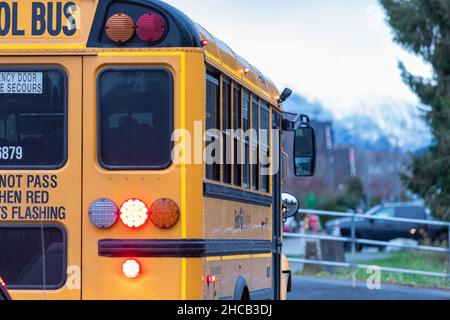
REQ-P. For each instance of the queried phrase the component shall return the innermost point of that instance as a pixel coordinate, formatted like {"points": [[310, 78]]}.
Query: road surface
{"points": [[315, 288]]}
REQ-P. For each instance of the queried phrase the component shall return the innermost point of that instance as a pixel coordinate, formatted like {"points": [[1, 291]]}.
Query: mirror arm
{"points": [[300, 121]]}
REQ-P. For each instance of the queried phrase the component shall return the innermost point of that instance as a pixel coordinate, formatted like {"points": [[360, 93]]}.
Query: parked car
{"points": [[381, 230], [4, 294]]}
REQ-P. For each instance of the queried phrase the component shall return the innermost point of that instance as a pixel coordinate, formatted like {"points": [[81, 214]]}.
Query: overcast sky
{"points": [[339, 52]]}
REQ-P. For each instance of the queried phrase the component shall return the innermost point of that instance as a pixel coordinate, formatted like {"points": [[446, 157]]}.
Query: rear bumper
{"points": [[189, 248]]}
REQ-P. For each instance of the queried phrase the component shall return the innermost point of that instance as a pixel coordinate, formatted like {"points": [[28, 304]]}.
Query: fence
{"points": [[358, 241]]}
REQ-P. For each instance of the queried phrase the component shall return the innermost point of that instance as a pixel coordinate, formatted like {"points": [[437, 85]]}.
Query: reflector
{"points": [[151, 27], [120, 28]]}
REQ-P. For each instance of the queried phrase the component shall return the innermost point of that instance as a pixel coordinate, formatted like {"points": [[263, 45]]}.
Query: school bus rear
{"points": [[92, 205]]}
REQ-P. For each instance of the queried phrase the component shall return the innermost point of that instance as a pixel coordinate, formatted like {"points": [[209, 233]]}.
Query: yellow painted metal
{"points": [[83, 180], [103, 281], [76, 18], [68, 191]]}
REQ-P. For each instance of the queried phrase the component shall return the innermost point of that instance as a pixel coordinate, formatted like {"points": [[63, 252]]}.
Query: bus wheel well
{"points": [[241, 292], [245, 295]]}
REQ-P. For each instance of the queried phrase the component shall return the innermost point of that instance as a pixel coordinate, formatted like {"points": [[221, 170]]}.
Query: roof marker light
{"points": [[204, 42], [131, 269], [151, 27], [134, 213], [120, 28]]}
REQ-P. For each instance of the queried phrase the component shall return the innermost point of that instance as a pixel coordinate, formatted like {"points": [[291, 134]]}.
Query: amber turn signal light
{"points": [[164, 213]]}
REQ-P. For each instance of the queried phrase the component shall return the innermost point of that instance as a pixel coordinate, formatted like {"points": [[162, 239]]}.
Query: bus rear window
{"points": [[27, 250], [135, 118], [33, 117]]}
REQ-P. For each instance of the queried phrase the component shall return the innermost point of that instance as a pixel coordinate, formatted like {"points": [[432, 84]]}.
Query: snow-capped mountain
{"points": [[378, 126]]}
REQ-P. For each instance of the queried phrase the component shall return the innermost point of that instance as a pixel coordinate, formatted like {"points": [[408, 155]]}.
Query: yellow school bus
{"points": [[104, 105]]}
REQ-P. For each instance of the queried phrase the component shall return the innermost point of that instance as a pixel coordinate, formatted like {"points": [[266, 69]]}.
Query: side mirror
{"points": [[304, 152], [290, 205]]}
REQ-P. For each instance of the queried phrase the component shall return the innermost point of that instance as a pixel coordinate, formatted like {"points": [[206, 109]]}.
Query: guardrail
{"points": [[355, 241]]}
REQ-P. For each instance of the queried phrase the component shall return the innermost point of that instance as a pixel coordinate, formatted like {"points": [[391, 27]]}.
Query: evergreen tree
{"points": [[423, 28]]}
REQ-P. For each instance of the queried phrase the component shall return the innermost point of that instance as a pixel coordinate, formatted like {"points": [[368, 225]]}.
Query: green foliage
{"points": [[311, 202], [422, 261], [354, 196], [423, 28]]}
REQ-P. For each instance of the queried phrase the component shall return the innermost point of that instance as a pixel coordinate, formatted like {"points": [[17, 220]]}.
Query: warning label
{"points": [[20, 82], [29, 197]]}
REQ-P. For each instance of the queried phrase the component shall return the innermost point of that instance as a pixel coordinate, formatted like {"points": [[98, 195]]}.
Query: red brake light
{"points": [[212, 279], [134, 213], [151, 27]]}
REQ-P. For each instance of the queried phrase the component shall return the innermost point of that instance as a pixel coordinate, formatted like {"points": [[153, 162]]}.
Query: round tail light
{"points": [[151, 27], [103, 213], [131, 269], [120, 28], [164, 213], [134, 213]]}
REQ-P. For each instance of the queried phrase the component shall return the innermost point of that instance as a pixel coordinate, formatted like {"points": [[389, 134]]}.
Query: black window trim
{"points": [[99, 122], [48, 225], [62, 71], [235, 84]]}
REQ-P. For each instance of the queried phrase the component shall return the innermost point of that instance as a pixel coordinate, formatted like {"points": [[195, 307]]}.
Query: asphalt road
{"points": [[315, 288]]}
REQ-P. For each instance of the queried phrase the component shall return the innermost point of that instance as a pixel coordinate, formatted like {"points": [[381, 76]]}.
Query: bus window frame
{"points": [[49, 225], [213, 76], [63, 72], [226, 132], [267, 148], [100, 73]]}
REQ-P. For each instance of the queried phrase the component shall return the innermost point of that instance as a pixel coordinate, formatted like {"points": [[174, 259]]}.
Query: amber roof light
{"points": [[120, 28]]}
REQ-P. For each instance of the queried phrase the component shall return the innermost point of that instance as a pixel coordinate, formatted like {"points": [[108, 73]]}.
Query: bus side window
{"points": [[246, 127], [226, 127], [255, 143], [212, 123], [237, 124], [265, 137]]}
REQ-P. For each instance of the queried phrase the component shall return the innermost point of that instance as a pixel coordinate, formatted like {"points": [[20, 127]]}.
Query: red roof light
{"points": [[151, 27]]}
